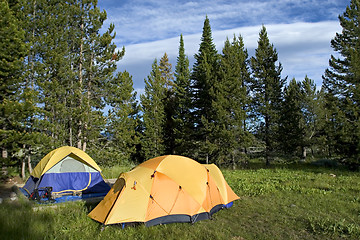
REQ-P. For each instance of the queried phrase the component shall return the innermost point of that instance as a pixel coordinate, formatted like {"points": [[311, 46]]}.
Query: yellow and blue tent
{"points": [[163, 190], [64, 174]]}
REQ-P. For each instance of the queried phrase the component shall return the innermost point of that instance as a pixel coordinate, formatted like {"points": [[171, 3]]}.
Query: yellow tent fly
{"points": [[165, 189]]}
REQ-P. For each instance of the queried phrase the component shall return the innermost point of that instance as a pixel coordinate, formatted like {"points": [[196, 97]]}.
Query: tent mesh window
{"points": [[71, 165]]}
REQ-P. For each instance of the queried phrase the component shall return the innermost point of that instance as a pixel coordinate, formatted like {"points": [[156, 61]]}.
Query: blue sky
{"points": [[301, 30]]}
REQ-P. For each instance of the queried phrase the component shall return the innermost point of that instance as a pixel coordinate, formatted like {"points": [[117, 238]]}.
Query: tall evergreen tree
{"points": [[301, 119], [230, 101], [10, 66], [33, 145], [313, 114], [204, 76], [152, 104], [342, 87], [266, 89], [100, 65], [65, 72], [15, 108], [122, 121], [167, 77], [96, 57], [49, 34], [166, 71], [291, 120], [182, 103], [72, 62]]}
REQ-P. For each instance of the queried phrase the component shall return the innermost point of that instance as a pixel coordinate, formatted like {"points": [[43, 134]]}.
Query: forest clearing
{"points": [[291, 201], [289, 148]]}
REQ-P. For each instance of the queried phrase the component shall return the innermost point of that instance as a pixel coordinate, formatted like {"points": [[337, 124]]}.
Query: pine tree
{"points": [[266, 89], [33, 140], [95, 62], [50, 65], [291, 120], [230, 102], [342, 87], [122, 120], [313, 116], [65, 72], [100, 67], [152, 104], [72, 62], [301, 118], [13, 110], [204, 76], [182, 103], [167, 77], [166, 72]]}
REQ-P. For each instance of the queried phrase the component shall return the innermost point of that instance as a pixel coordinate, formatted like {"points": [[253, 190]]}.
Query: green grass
{"points": [[281, 202], [293, 203], [114, 172]]}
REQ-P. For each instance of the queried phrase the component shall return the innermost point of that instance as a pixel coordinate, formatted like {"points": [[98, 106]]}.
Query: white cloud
{"points": [[142, 21], [303, 48]]}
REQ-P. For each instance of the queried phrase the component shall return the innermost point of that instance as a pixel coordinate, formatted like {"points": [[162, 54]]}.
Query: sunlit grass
{"points": [[281, 202], [114, 172]]}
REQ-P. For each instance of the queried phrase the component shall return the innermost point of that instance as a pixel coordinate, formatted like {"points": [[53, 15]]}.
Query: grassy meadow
{"points": [[298, 201]]}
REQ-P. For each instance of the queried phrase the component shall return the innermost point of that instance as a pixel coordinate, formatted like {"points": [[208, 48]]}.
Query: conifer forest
{"points": [[60, 86]]}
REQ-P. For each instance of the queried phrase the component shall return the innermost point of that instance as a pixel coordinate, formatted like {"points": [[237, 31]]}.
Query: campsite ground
{"points": [[297, 201], [8, 187]]}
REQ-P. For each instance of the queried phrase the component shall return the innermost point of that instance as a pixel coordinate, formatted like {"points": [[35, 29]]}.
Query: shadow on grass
{"points": [[20, 221], [90, 205], [318, 166]]}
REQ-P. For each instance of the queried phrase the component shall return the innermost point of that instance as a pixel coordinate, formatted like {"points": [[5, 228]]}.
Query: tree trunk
{"points": [[31, 55], [53, 129], [267, 157], [80, 134], [29, 163], [23, 168], [84, 146], [70, 132], [267, 141], [304, 153], [87, 119], [79, 143], [233, 162], [4, 153], [312, 152]]}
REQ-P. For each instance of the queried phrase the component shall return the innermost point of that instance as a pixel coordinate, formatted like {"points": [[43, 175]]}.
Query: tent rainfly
{"points": [[163, 190], [65, 174]]}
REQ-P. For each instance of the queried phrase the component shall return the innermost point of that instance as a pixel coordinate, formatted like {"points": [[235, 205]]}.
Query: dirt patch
{"points": [[8, 186]]}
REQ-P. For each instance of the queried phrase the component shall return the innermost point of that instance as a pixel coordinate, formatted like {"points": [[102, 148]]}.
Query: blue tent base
{"points": [[91, 197], [70, 198], [182, 218], [229, 205], [85, 197], [176, 218], [69, 186]]}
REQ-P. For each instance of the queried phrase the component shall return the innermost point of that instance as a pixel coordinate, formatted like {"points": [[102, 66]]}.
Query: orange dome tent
{"points": [[164, 190]]}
